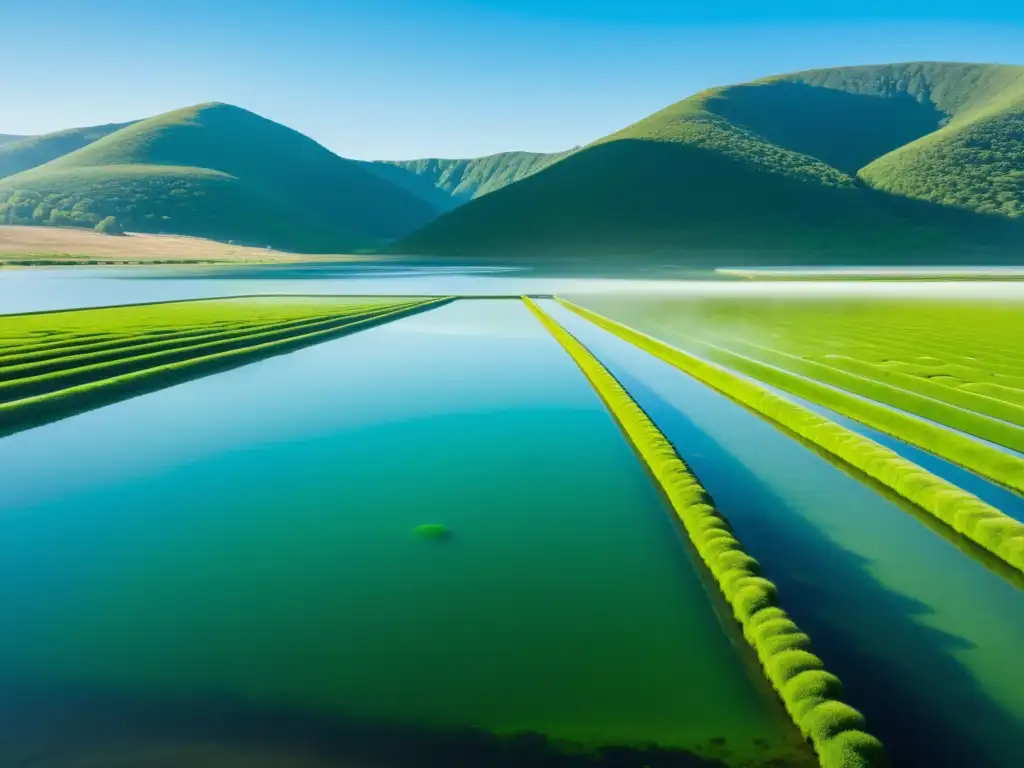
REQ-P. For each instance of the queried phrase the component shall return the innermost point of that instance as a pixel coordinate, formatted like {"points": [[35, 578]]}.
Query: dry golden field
{"points": [[50, 245]]}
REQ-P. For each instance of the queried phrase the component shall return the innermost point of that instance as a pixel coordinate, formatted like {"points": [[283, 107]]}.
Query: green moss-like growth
{"points": [[808, 692], [70, 371], [881, 406], [830, 718], [965, 513], [851, 749], [433, 532]]}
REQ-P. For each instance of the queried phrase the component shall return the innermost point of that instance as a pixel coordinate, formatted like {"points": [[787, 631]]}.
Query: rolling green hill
{"points": [[6, 138], [852, 159], [31, 151], [221, 172], [458, 181], [976, 159]]}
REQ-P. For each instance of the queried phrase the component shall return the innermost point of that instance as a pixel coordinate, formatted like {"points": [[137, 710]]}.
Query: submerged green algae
{"points": [[432, 531]]}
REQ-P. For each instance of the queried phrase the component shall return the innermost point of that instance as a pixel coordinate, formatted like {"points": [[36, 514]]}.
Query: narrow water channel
{"points": [[1004, 499], [926, 639], [246, 543]]}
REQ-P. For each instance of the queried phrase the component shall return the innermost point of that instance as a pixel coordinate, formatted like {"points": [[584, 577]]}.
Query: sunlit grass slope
{"points": [[222, 172], [776, 164], [21, 153], [976, 160]]}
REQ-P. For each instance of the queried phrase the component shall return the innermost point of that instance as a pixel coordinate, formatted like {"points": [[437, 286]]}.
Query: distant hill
{"points": [[976, 158], [28, 152], [221, 172], [6, 138], [421, 186], [458, 181], [860, 158]]}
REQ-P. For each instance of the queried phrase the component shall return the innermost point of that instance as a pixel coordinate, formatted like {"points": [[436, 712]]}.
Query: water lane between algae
{"points": [[925, 638], [1003, 499], [251, 536]]}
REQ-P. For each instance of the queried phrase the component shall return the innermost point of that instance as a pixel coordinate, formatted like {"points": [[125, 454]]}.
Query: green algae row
{"points": [[988, 461], [107, 364], [37, 409], [811, 695], [898, 392], [56, 357], [976, 401], [965, 513]]}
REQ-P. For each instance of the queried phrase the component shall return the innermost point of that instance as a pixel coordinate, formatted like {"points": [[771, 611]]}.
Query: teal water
{"points": [[926, 639], [250, 536]]}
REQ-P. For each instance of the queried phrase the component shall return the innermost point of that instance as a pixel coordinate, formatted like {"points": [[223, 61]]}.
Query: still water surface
{"points": [[249, 536]]}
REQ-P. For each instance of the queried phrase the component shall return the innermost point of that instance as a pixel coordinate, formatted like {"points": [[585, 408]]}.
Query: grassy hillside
{"points": [[976, 159], [221, 172], [7, 138], [463, 180], [31, 151], [811, 163]]}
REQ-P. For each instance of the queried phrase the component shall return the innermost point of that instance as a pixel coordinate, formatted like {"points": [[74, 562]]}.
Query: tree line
{"points": [[29, 208]]}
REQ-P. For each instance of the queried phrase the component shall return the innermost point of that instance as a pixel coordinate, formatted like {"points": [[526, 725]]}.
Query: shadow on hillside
{"points": [[831, 594], [682, 202], [845, 130]]}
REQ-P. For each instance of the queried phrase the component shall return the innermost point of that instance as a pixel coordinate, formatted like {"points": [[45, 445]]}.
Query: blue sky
{"points": [[452, 78]]}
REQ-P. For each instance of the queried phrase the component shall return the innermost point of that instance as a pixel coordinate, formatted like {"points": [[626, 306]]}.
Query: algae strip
{"points": [[810, 694], [110, 364], [928, 404], [17, 365], [965, 513], [952, 442], [38, 409]]}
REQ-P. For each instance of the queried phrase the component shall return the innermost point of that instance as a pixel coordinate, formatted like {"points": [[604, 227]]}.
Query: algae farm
{"points": [[431, 516]]}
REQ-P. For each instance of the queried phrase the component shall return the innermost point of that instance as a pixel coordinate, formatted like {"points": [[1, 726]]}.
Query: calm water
{"points": [[248, 538], [926, 639]]}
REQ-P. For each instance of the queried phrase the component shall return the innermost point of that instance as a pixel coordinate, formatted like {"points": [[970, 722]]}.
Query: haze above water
{"points": [[39, 289]]}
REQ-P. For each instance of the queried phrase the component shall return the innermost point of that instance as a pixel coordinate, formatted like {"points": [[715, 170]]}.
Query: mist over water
{"points": [[39, 289]]}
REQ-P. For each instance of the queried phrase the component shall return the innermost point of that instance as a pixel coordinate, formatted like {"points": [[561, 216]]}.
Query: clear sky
{"points": [[452, 78]]}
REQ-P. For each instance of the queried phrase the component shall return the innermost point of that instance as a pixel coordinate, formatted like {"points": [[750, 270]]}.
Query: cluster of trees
{"points": [[30, 208]]}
